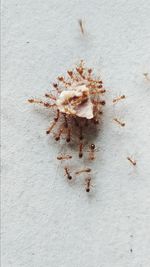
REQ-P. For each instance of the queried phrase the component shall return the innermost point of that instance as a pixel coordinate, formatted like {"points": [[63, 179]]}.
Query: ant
{"points": [[67, 173], [83, 170], [122, 124], [58, 135], [38, 101], [64, 157], [91, 152], [54, 122], [88, 184], [68, 138], [80, 150], [115, 100], [133, 162]]}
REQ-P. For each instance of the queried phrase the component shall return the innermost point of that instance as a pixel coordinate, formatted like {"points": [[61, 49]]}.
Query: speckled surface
{"points": [[45, 221]]}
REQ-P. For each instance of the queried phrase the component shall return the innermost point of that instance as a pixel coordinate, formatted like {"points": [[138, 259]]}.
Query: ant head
{"points": [[92, 146], [88, 190]]}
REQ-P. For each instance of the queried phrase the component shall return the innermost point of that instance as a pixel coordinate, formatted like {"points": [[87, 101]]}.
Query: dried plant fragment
{"points": [[76, 102], [81, 25]]}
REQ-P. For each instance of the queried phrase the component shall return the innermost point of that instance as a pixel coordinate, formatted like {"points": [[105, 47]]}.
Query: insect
{"points": [[133, 162], [115, 100], [81, 25], [64, 157], [68, 137], [83, 170], [88, 184], [67, 173], [80, 150], [122, 124], [92, 152]]}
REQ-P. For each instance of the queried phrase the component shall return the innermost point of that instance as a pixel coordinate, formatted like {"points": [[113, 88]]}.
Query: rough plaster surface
{"points": [[45, 221]]}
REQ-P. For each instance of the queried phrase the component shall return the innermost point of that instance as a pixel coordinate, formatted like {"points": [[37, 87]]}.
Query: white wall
{"points": [[45, 221]]}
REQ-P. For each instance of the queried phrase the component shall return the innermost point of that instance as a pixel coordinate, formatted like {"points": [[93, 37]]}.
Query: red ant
{"points": [[133, 162], [83, 170], [67, 173], [64, 157], [115, 100], [122, 124], [88, 184]]}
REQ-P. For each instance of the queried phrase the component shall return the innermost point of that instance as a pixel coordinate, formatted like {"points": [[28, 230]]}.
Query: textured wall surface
{"points": [[45, 221]]}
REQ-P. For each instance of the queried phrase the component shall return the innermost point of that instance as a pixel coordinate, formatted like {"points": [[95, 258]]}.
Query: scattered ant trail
{"points": [[67, 173], [81, 26], [83, 170], [133, 162], [115, 100], [122, 124]]}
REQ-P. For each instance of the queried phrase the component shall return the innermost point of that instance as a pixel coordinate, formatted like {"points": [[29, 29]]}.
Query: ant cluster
{"points": [[77, 102]]}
